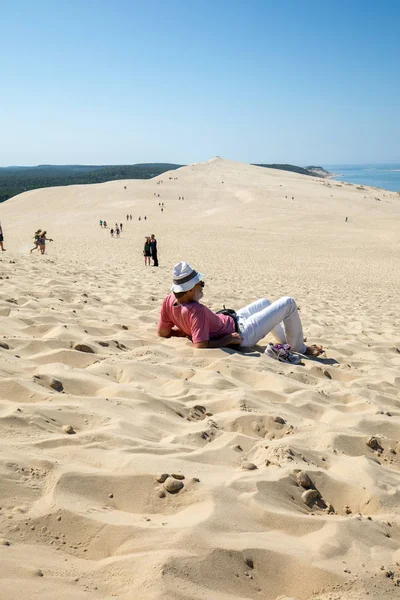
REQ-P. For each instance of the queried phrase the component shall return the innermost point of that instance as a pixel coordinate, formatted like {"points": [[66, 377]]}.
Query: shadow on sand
{"points": [[257, 351]]}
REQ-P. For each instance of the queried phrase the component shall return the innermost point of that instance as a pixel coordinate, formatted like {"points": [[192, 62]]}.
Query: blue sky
{"points": [[95, 82]]}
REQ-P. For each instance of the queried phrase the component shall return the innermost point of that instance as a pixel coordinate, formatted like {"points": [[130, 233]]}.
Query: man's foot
{"points": [[314, 350]]}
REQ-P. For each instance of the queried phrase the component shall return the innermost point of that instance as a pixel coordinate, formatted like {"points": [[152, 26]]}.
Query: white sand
{"points": [[131, 402]]}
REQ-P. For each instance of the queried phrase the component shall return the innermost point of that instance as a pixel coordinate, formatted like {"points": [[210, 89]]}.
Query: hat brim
{"points": [[188, 285]]}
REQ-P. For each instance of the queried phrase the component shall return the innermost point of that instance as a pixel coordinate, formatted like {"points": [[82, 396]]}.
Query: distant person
{"points": [[104, 223], [120, 226], [42, 241], [182, 315], [154, 251], [36, 240], [101, 223], [117, 232], [145, 218], [127, 217], [1, 239], [130, 216], [346, 219], [147, 252], [112, 232], [139, 219]]}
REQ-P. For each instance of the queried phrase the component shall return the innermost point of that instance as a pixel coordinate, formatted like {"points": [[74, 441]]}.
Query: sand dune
{"points": [[82, 513]]}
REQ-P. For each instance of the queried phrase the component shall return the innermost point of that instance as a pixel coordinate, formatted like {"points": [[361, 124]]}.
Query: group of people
{"points": [[150, 244], [150, 251], [117, 230], [40, 238]]}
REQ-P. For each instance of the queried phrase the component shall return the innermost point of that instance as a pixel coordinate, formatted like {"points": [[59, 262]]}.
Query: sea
{"points": [[386, 176]]}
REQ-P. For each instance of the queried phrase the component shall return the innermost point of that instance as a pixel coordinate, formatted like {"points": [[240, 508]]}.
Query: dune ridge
{"points": [[94, 407]]}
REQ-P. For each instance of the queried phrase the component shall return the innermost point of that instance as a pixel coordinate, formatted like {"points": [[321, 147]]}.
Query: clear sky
{"points": [[96, 82]]}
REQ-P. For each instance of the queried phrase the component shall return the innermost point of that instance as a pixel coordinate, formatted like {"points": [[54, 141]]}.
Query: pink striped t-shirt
{"points": [[196, 320]]}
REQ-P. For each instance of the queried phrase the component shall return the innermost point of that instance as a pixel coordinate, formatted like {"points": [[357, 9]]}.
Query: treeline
{"points": [[15, 180], [294, 169]]}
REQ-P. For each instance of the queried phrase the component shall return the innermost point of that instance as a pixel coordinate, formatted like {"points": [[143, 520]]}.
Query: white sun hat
{"points": [[184, 277]]}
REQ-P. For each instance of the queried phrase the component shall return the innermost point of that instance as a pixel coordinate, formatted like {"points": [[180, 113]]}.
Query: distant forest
{"points": [[15, 180], [303, 171]]}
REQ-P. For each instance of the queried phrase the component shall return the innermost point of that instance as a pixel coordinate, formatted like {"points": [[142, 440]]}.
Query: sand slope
{"points": [[81, 514]]}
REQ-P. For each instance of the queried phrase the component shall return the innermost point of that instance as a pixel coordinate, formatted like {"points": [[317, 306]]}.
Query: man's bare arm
{"points": [[233, 339]]}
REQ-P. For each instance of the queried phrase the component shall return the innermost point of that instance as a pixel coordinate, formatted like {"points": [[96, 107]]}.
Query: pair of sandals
{"points": [[282, 353]]}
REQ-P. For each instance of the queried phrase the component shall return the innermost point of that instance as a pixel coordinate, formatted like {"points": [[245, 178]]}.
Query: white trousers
{"points": [[280, 317]]}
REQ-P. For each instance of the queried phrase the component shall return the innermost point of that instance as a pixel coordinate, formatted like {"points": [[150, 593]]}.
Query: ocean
{"points": [[386, 176]]}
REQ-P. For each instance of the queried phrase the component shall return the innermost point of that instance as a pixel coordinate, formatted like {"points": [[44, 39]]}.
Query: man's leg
{"points": [[284, 310], [256, 307]]}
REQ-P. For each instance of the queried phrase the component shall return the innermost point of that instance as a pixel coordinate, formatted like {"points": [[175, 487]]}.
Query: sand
{"points": [[82, 513]]}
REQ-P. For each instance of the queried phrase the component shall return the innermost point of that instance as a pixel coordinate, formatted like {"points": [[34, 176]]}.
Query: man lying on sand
{"points": [[182, 315]]}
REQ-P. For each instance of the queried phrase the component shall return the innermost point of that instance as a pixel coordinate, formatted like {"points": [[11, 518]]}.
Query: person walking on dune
{"points": [[1, 239], [154, 251], [147, 251], [182, 315], [36, 240], [42, 241]]}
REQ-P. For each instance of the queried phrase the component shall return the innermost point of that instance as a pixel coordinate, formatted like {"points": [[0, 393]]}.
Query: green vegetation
{"points": [[294, 169], [15, 180]]}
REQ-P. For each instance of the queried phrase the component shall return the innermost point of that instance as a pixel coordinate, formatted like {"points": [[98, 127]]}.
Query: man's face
{"points": [[198, 291]]}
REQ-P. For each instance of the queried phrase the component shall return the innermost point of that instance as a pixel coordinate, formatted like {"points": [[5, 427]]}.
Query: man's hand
{"points": [[236, 339], [164, 332]]}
